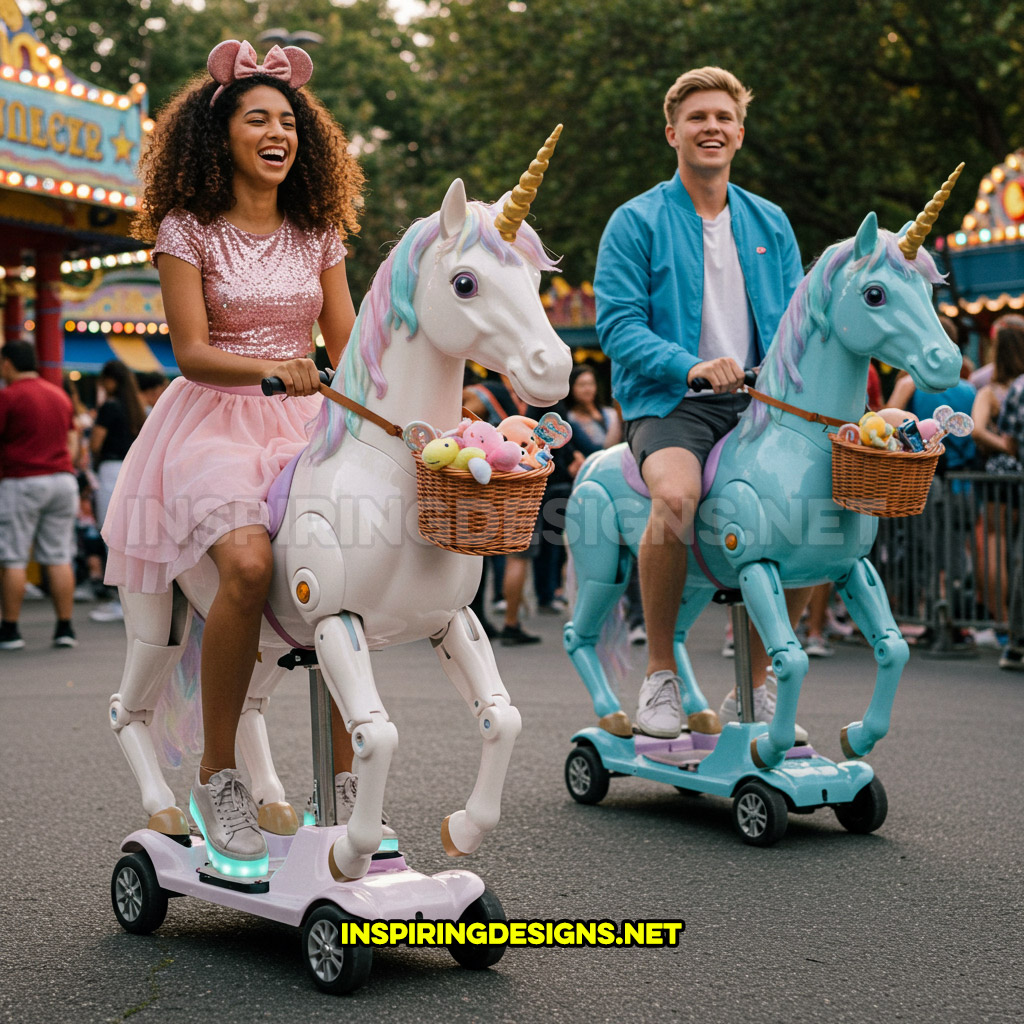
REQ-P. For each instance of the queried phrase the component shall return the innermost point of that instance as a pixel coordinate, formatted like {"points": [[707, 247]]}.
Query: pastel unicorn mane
{"points": [[806, 317], [389, 304]]}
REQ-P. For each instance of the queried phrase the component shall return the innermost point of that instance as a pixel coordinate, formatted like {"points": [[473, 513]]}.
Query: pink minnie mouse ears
{"points": [[231, 60]]}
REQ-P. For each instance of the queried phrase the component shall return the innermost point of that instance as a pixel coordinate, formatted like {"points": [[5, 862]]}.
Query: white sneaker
{"points": [[227, 817], [33, 593], [818, 647], [84, 592], [109, 612], [764, 711], [660, 709]]}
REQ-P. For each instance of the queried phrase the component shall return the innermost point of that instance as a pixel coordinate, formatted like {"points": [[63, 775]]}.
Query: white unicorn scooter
{"points": [[462, 284]]}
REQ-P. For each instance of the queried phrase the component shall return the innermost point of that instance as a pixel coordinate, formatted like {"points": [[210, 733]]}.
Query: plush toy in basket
{"points": [[883, 465], [479, 487]]}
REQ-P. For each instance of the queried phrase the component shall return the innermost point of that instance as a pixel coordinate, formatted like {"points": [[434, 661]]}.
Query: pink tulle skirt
{"points": [[201, 467]]}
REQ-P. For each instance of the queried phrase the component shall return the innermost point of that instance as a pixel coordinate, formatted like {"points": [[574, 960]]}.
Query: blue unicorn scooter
{"points": [[767, 520]]}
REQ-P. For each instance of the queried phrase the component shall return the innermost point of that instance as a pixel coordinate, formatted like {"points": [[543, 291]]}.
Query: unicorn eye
{"points": [[465, 285], [874, 296]]}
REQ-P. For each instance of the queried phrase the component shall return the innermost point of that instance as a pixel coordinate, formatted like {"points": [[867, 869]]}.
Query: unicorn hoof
{"points": [[705, 722], [618, 724], [446, 841], [844, 742], [278, 818], [458, 835], [170, 821], [759, 760], [345, 864]]}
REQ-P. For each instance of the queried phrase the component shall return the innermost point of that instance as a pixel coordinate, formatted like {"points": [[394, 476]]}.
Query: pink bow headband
{"points": [[231, 60]]}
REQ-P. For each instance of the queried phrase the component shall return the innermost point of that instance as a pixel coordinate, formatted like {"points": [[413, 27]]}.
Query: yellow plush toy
{"points": [[440, 452], [874, 431]]}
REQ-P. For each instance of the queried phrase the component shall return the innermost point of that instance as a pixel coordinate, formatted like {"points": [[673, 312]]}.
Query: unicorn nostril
{"points": [[935, 359]]}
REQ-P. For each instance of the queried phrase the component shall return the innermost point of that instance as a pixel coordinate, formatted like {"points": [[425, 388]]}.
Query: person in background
{"points": [[152, 384], [1011, 425], [995, 526], [119, 419], [38, 492]]}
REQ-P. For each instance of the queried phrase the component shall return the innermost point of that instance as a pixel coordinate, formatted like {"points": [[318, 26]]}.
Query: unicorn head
{"points": [[868, 296], [462, 284]]}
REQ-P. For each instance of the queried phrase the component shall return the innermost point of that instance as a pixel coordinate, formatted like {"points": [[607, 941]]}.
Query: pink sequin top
{"points": [[262, 292]]}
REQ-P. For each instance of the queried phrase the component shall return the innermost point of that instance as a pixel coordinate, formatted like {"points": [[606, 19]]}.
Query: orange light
{"points": [[302, 593], [731, 541]]}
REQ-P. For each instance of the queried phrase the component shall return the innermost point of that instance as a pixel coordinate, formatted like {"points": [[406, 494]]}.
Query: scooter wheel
{"points": [[866, 811], [585, 775], [486, 908], [140, 905], [759, 813], [336, 967]]}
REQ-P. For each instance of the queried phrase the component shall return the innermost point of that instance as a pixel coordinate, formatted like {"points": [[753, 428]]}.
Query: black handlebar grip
{"points": [[275, 386], [702, 383]]}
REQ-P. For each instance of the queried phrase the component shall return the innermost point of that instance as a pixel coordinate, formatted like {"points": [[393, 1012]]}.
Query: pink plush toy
{"points": [[501, 455]]}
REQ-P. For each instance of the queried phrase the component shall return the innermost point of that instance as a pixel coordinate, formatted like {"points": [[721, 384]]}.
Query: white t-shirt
{"points": [[726, 322]]}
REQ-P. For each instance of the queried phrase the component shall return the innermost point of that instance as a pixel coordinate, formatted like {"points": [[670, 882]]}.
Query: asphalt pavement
{"points": [[920, 921]]}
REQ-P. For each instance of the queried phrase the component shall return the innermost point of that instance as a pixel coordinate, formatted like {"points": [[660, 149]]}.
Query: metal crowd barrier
{"points": [[960, 564]]}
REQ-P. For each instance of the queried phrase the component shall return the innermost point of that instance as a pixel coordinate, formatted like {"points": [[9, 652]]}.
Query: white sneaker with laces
{"points": [[227, 817], [660, 709], [764, 711]]}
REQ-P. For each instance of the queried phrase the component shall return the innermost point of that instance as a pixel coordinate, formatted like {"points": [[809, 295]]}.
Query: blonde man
{"points": [[692, 279]]}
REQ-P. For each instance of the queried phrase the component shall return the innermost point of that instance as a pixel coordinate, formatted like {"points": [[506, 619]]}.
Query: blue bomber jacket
{"points": [[649, 286]]}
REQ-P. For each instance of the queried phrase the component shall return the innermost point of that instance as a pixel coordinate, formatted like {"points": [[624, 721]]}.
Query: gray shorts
{"points": [[696, 424], [37, 516]]}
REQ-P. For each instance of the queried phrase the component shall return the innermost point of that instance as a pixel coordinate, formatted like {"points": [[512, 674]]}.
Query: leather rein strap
{"points": [[360, 410], [811, 417]]}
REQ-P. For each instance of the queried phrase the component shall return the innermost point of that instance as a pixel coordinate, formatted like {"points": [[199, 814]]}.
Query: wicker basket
{"points": [[458, 514], [881, 483]]}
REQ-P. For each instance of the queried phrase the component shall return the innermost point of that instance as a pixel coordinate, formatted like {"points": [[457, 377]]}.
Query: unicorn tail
{"points": [[177, 719]]}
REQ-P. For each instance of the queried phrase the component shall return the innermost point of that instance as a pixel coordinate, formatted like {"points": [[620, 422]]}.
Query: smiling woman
{"points": [[249, 188]]}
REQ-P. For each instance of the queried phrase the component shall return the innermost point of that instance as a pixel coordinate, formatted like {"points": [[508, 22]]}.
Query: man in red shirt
{"points": [[38, 491]]}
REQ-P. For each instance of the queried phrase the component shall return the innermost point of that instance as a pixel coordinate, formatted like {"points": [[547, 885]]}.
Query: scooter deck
{"points": [[300, 877], [717, 765]]}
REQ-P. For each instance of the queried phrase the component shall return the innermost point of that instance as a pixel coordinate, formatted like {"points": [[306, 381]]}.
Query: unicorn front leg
{"points": [[766, 603], [345, 663], [602, 572], [865, 597], [276, 815], [468, 661], [157, 625]]}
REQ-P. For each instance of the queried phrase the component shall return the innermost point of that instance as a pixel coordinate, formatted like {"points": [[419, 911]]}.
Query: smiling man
{"points": [[692, 279]]}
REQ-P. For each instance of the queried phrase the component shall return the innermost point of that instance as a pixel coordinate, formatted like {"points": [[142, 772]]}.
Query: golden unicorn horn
{"points": [[918, 231], [517, 206]]}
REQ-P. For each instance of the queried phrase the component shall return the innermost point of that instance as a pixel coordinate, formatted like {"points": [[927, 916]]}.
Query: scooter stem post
{"points": [[323, 749], [741, 647]]}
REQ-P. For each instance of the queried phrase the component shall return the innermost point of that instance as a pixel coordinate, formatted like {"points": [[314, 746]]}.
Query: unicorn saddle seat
{"points": [[631, 471]]}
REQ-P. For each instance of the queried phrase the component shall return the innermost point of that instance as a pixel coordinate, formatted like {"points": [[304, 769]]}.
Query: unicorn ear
{"points": [[453, 209], [867, 236]]}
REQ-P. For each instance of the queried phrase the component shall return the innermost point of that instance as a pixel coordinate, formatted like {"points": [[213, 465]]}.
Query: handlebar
{"points": [[703, 384], [275, 386]]}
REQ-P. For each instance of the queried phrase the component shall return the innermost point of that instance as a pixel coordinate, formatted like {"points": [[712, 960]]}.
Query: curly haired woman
{"points": [[249, 190]]}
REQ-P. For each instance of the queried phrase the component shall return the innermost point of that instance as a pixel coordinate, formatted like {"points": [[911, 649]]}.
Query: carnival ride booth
{"points": [[984, 259], [68, 152]]}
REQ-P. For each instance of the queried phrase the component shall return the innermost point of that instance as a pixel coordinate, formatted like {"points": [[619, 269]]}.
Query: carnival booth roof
{"points": [[985, 258], [68, 151]]}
